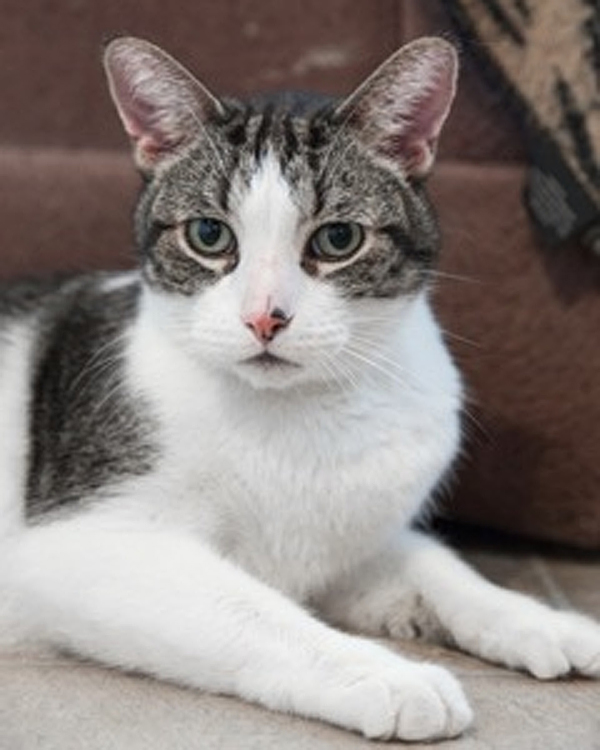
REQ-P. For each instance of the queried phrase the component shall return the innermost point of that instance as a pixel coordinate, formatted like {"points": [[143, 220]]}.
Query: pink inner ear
{"points": [[145, 107], [141, 117], [417, 125], [144, 126]]}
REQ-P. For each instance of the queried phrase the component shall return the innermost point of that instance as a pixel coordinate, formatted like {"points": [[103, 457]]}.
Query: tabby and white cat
{"points": [[206, 461]]}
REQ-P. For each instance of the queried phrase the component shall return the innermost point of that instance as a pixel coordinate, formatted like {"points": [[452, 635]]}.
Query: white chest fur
{"points": [[296, 486]]}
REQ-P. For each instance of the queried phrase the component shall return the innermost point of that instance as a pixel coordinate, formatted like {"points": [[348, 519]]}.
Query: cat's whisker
{"points": [[462, 339], [397, 369], [101, 361], [337, 373], [370, 362], [468, 414], [471, 418], [365, 321], [384, 366], [104, 370], [362, 318], [436, 274], [94, 358], [109, 395], [348, 373], [375, 336], [368, 348], [357, 368]]}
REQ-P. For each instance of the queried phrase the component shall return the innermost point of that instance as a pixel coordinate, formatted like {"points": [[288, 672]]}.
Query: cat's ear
{"points": [[398, 112], [161, 105]]}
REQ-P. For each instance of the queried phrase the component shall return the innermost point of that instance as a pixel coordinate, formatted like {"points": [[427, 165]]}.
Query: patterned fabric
{"points": [[548, 52]]}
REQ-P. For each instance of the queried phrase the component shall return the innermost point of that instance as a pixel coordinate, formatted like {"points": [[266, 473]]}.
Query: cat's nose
{"points": [[266, 325]]}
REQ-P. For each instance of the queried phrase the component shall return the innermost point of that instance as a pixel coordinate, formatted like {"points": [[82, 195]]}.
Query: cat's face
{"points": [[280, 243]]}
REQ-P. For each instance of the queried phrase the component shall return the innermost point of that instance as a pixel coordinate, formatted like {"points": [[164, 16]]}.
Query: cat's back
{"points": [[43, 297], [65, 311]]}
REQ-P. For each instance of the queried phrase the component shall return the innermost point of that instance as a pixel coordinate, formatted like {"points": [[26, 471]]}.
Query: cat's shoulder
{"points": [[55, 292]]}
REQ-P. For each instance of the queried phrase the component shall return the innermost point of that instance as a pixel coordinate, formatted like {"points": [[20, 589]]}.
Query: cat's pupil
{"points": [[340, 235], [209, 231]]}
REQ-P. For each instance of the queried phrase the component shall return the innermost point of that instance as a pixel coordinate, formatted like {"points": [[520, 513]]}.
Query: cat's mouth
{"points": [[266, 360]]}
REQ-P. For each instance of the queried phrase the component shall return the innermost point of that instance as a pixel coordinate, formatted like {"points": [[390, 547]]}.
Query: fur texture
{"points": [[198, 456]]}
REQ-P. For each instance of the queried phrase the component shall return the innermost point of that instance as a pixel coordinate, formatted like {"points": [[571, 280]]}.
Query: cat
{"points": [[211, 466]]}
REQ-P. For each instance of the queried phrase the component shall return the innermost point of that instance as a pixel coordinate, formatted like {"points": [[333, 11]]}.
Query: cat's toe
{"points": [[457, 713], [423, 716], [406, 701], [542, 655], [581, 643], [431, 707], [556, 644]]}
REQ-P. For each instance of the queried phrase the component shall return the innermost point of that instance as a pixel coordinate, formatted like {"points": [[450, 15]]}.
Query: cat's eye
{"points": [[337, 240], [209, 236]]}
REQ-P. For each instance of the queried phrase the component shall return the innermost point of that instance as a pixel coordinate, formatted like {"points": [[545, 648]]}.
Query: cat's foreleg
{"points": [[417, 587], [164, 604]]}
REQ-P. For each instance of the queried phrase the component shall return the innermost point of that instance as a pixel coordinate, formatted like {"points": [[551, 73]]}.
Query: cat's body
{"points": [[124, 413], [195, 452]]}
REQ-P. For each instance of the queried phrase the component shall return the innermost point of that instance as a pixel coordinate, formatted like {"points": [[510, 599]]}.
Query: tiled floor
{"points": [[65, 705]]}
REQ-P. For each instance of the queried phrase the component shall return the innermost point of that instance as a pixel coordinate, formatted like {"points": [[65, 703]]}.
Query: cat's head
{"points": [[281, 241]]}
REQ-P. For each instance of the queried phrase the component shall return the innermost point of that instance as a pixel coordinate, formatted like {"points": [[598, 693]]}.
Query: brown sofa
{"points": [[523, 321]]}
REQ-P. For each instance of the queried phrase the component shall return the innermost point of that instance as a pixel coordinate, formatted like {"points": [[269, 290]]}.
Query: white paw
{"points": [[545, 642], [389, 697]]}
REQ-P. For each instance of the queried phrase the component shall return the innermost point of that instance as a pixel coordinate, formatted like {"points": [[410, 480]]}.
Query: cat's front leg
{"points": [[417, 587], [164, 604]]}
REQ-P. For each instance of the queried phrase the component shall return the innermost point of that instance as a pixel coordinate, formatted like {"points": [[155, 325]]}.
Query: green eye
{"points": [[337, 241], [209, 236]]}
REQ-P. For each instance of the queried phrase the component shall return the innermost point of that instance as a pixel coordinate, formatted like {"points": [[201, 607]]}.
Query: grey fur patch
{"points": [[27, 295], [87, 431], [398, 213]]}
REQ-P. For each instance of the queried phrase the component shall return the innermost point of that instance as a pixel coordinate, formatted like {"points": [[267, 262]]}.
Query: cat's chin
{"points": [[267, 371]]}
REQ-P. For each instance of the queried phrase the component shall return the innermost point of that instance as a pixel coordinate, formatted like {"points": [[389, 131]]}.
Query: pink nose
{"points": [[265, 326]]}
